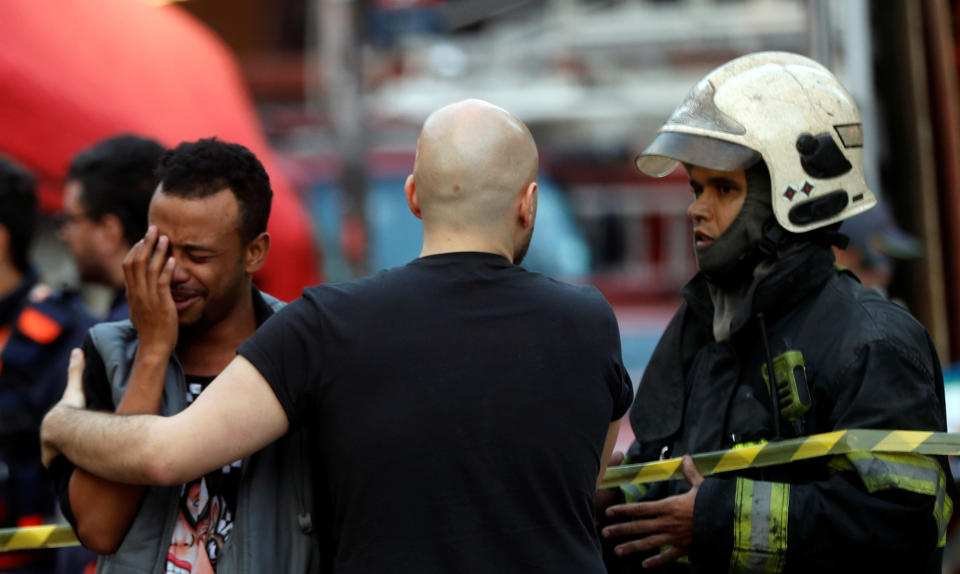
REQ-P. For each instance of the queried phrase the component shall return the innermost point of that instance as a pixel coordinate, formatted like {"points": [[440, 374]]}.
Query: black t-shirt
{"points": [[460, 406]]}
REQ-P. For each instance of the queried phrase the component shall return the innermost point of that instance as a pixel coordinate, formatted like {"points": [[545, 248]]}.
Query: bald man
{"points": [[461, 407]]}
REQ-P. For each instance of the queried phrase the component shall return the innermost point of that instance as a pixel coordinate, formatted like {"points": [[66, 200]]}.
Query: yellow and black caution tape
{"points": [[36, 537], [768, 454], [786, 451]]}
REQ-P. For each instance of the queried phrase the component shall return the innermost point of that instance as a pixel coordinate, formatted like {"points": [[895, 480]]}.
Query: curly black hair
{"points": [[117, 175], [18, 210], [208, 166]]}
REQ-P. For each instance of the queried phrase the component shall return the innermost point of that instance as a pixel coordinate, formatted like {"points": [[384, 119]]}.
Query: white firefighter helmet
{"points": [[786, 109]]}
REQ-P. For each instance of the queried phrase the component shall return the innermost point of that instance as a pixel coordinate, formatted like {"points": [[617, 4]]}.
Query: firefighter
{"points": [[38, 328], [771, 143]]}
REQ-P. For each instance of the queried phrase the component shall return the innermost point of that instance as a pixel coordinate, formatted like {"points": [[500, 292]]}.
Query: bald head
{"points": [[473, 161]]}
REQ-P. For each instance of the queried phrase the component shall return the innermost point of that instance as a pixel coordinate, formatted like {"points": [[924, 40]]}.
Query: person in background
{"points": [[774, 342], [105, 201], [875, 242], [38, 327]]}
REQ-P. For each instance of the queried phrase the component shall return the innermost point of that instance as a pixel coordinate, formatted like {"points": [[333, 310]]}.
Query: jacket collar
{"points": [[658, 408], [264, 306], [791, 279]]}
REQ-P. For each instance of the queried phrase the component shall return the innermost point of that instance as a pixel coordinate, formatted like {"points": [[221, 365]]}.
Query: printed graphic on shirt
{"points": [[205, 517]]}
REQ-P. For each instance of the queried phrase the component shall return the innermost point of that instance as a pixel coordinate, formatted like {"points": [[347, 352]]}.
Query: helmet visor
{"points": [[669, 148]]}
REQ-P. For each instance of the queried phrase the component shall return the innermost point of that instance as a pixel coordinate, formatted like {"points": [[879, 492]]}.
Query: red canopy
{"points": [[76, 71]]}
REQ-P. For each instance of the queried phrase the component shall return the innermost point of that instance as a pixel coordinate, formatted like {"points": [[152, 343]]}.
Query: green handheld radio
{"points": [[791, 383]]}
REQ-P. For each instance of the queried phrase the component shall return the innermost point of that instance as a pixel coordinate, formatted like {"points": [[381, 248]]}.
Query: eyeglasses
{"points": [[64, 219]]}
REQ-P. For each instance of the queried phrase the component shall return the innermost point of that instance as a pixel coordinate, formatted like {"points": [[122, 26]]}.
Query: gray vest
{"points": [[272, 530]]}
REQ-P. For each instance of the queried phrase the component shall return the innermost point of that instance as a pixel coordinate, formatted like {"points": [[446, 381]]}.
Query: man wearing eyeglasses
{"points": [[105, 203]]}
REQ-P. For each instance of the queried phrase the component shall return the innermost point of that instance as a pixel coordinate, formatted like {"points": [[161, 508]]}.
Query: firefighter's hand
{"points": [[147, 271], [73, 397], [667, 522], [604, 497]]}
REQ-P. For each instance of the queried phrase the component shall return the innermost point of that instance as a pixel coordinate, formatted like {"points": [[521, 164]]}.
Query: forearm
{"points": [[608, 445], [145, 387], [237, 415], [120, 448], [103, 510]]}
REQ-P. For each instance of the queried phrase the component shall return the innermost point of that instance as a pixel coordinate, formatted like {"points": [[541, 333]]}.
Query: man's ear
{"points": [[413, 201], [111, 230], [256, 253], [527, 210]]}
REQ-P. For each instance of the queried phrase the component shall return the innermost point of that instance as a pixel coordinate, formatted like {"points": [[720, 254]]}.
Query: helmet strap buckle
{"points": [[838, 239], [773, 238]]}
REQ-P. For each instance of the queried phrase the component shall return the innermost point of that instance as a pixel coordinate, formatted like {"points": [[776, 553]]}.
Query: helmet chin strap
{"points": [[834, 237], [774, 238], [737, 271]]}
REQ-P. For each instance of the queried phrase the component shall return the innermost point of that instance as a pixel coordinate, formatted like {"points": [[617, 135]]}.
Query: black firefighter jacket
{"points": [[869, 364]]}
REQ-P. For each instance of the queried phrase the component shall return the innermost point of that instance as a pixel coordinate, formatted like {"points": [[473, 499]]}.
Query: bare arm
{"points": [[608, 444], [237, 415], [104, 510]]}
